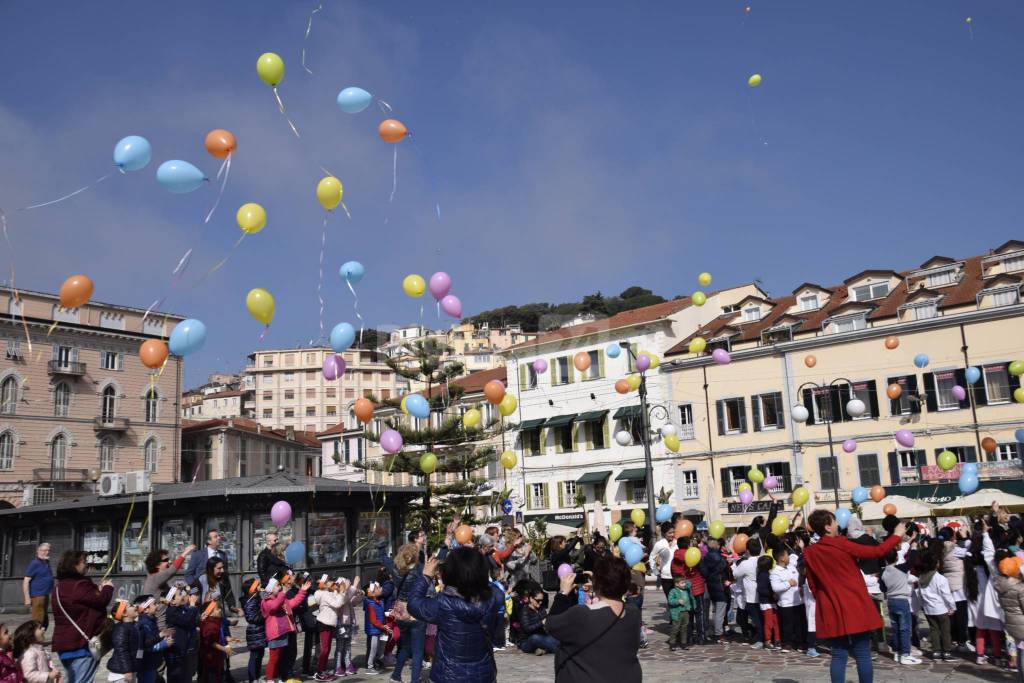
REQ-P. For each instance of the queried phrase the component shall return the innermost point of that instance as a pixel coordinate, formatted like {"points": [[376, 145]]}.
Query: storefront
{"points": [[941, 492]]}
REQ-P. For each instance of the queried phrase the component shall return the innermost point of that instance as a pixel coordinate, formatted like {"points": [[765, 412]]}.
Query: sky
{"points": [[571, 147]]}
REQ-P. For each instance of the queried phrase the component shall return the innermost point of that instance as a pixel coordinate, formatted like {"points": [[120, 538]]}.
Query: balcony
{"points": [[66, 475], [66, 367], [111, 424], [784, 484], [685, 432]]}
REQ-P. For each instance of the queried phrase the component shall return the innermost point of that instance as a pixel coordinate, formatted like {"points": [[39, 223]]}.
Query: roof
{"points": [[224, 394], [339, 428], [870, 271], [473, 383], [101, 304], [809, 285], [936, 261], [1008, 245], [244, 424]]}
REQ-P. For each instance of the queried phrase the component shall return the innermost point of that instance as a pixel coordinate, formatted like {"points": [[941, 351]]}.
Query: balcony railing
{"points": [[66, 367], [784, 484], [685, 433], [60, 474], [111, 424]]}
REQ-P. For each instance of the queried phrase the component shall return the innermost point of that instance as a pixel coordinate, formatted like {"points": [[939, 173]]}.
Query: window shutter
{"points": [[779, 409], [553, 371], [55, 354], [632, 357], [572, 369], [575, 427], [529, 496], [809, 404], [522, 377], [726, 488], [561, 496], [894, 468], [755, 411], [544, 494], [743, 416], [921, 457], [629, 491], [600, 364], [782, 470], [970, 454], [74, 354], [120, 361], [931, 390], [558, 438], [915, 406], [978, 390], [607, 430], [719, 406], [873, 398], [1014, 382], [961, 379], [990, 457], [838, 405]]}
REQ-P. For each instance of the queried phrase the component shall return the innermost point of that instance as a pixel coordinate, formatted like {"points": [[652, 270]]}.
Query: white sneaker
{"points": [[981, 660], [908, 660]]}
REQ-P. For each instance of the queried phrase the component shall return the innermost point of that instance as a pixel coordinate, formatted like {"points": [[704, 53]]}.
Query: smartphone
{"points": [[581, 578]]}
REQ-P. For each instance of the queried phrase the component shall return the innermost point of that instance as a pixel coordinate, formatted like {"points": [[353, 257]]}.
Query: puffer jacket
{"points": [[152, 643], [127, 642], [35, 664], [255, 624], [712, 567], [277, 611], [10, 672], [183, 620], [329, 604], [462, 651], [1011, 598], [953, 567]]}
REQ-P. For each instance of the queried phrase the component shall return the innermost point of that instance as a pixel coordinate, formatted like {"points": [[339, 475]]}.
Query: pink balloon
{"points": [[334, 367], [959, 393], [643, 363], [564, 570], [391, 441], [770, 482], [721, 356], [746, 496], [452, 306], [440, 284], [905, 438], [281, 513], [849, 446], [540, 366]]}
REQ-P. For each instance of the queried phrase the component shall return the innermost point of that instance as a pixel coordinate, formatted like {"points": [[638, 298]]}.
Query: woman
{"points": [[214, 582], [844, 612], [522, 563], [984, 611], [597, 642], [405, 574], [560, 551], [465, 613], [159, 570], [79, 613]]}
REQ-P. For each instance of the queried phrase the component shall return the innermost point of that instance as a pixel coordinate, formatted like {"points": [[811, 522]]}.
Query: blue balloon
{"points": [[843, 517], [1019, 434], [634, 553], [624, 544], [968, 483], [921, 360], [969, 468], [860, 494], [352, 271], [613, 350], [295, 553], [342, 336], [663, 513], [180, 177], [187, 337], [132, 153], [973, 375], [417, 406], [353, 100]]}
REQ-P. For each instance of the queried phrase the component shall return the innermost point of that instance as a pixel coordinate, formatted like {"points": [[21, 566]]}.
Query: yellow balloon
{"points": [[329, 192], [270, 68], [704, 279], [404, 409], [260, 303], [698, 344], [699, 298], [780, 525], [508, 405], [638, 516], [251, 218], [428, 463], [655, 359], [414, 286], [633, 381], [692, 557], [471, 418], [640, 567], [672, 443], [1018, 395], [754, 80], [744, 486], [800, 496], [508, 460], [968, 20]]}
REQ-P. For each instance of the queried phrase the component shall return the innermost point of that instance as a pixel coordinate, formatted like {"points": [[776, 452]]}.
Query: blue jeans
{"points": [[410, 645], [901, 618], [539, 641], [80, 670], [858, 645], [148, 676]]}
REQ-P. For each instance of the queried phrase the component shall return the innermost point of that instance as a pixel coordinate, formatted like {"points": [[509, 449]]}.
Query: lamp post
{"points": [[645, 438], [830, 387]]}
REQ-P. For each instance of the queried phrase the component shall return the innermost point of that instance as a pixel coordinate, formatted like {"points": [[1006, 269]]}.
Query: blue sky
{"points": [[572, 146]]}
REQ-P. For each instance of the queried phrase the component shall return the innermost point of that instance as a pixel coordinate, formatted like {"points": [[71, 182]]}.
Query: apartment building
{"points": [[222, 448], [77, 402], [222, 396], [478, 347]]}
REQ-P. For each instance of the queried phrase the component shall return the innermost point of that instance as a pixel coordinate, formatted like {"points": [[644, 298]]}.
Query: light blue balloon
{"points": [[417, 406], [973, 375], [132, 153], [353, 100], [843, 517], [969, 468], [188, 337], [633, 554], [968, 483], [342, 337], [295, 553], [624, 544], [921, 360], [663, 513], [180, 177], [1019, 434], [353, 271], [613, 350], [860, 494]]}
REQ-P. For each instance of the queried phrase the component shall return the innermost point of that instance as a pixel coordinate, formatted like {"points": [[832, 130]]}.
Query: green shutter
{"points": [[607, 430], [600, 364], [522, 377], [561, 494], [589, 427], [575, 436], [572, 369], [558, 438], [553, 369], [544, 494], [629, 491], [635, 348], [529, 496]]}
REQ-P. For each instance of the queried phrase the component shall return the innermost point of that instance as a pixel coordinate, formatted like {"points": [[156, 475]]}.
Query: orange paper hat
{"points": [[122, 605], [254, 587], [212, 605]]}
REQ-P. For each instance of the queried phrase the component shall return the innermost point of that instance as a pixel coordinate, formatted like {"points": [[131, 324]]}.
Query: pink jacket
{"points": [[10, 672], [35, 665], [277, 611]]}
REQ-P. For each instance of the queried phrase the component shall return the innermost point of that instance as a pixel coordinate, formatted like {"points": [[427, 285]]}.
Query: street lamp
{"points": [[829, 388], [645, 438]]}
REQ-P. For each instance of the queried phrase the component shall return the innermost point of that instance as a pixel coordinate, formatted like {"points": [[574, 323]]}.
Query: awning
{"points": [[560, 420], [595, 477], [592, 416], [635, 474], [981, 499], [531, 424], [627, 413]]}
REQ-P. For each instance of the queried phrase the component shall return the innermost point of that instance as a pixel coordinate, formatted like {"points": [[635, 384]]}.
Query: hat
{"points": [[171, 593], [122, 605], [210, 606], [889, 523]]}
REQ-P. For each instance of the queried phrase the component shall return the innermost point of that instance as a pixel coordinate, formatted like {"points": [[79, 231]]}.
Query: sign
{"points": [[756, 506], [506, 506], [998, 469], [573, 519]]}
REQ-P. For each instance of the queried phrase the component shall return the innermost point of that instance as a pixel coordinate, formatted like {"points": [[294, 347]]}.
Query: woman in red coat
{"points": [[844, 612]]}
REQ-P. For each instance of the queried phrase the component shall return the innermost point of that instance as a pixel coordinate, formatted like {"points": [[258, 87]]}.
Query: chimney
{"points": [[289, 433]]}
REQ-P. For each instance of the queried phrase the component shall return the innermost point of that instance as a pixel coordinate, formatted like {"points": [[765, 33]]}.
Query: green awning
{"points": [[531, 424], [635, 474], [592, 416], [627, 413], [560, 420], [595, 477]]}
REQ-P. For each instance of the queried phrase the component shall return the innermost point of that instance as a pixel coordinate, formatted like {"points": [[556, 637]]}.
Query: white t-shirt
{"points": [[662, 553]]}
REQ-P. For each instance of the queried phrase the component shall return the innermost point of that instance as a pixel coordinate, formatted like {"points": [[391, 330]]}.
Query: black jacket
{"points": [[152, 643], [268, 564], [868, 566], [127, 642], [562, 556], [765, 594], [304, 615], [184, 620], [713, 567], [532, 621], [255, 630]]}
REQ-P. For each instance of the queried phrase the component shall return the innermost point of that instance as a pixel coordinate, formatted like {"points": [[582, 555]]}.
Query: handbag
{"points": [[549, 580], [95, 643], [400, 610]]}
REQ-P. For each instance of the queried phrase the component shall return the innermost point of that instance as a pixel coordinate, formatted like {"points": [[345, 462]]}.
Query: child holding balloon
{"points": [[680, 604]]}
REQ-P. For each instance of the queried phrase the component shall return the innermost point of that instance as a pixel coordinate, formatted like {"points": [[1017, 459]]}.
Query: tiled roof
{"points": [[224, 394], [244, 424], [331, 431], [472, 383]]}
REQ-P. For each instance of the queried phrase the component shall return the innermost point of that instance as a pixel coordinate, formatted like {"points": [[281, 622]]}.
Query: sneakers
{"points": [[539, 652], [758, 645], [671, 647], [426, 663], [351, 670], [324, 676], [909, 660], [981, 660], [811, 652], [946, 657], [371, 671], [917, 653]]}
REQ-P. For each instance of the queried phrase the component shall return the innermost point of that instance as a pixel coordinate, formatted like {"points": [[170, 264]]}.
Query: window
{"points": [[827, 473], [268, 412], [809, 302], [6, 451], [149, 456], [152, 402], [944, 383], [268, 379], [268, 362], [732, 477], [924, 311], [538, 497], [63, 355], [9, 396], [107, 404], [289, 394], [751, 314], [311, 393], [350, 393], [268, 395], [594, 371], [563, 438], [310, 411], [767, 411], [870, 291], [367, 393], [1006, 297], [243, 458], [385, 394], [58, 456], [289, 377], [332, 392], [865, 391], [908, 402], [1013, 264], [962, 453], [111, 360], [867, 464], [997, 384], [568, 494], [1004, 451], [289, 359], [596, 428], [560, 370], [691, 489], [107, 455], [531, 441], [907, 458], [940, 278], [332, 411], [61, 399], [289, 412], [531, 377], [823, 407], [310, 375], [850, 323], [636, 492], [732, 416], [685, 432], [781, 472], [311, 358]]}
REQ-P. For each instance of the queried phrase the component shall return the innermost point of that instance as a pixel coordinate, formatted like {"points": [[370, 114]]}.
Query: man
{"points": [[197, 560], [38, 583], [267, 562]]}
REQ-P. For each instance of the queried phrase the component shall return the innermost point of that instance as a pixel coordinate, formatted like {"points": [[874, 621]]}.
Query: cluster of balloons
{"points": [[630, 383], [133, 153], [861, 494], [968, 481], [669, 438], [494, 392], [440, 285]]}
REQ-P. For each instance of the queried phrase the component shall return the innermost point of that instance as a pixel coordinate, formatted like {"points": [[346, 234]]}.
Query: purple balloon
{"points": [[540, 366], [746, 496], [440, 284], [391, 441], [959, 393], [721, 356], [849, 446], [905, 438], [281, 513], [769, 482], [452, 306], [564, 570], [643, 363], [334, 367]]}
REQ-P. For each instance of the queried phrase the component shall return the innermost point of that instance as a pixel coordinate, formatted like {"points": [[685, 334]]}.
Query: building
{"points": [[786, 351], [478, 347], [77, 401], [222, 448], [222, 396], [290, 389]]}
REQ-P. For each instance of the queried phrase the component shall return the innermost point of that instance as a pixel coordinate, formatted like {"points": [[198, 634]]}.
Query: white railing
{"points": [[685, 433]]}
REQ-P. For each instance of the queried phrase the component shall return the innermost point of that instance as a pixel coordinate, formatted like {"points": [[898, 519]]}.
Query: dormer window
{"points": [[731, 308], [809, 302], [848, 323], [867, 292], [941, 278], [751, 314], [923, 311]]}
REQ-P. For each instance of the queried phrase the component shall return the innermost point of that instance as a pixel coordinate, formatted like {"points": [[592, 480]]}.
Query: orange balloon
{"points": [[463, 534], [739, 543], [392, 130], [892, 342], [494, 391], [364, 410], [1009, 566], [153, 353], [989, 444], [622, 386], [581, 360], [877, 493], [810, 361], [684, 528], [889, 509], [220, 143], [894, 391], [76, 291]]}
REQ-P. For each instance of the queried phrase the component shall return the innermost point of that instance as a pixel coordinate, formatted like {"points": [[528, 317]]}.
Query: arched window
{"points": [[107, 404], [6, 451], [9, 396], [107, 455], [61, 399], [151, 403], [58, 456], [149, 453]]}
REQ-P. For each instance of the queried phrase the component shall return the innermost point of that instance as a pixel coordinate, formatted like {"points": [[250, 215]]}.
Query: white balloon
{"points": [[800, 413], [623, 438], [855, 407], [668, 430]]}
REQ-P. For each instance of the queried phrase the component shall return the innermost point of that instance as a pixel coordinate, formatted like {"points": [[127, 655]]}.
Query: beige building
{"points": [[478, 347], [238, 447], [78, 402]]}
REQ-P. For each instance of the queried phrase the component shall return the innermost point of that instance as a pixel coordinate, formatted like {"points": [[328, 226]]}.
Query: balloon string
{"points": [[309, 28], [222, 261], [385, 108], [225, 168], [394, 177], [430, 178], [14, 287], [124, 531], [176, 276], [355, 306], [70, 195], [320, 282], [266, 328], [280, 106]]}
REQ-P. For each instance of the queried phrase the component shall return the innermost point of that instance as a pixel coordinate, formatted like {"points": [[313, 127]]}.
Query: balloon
{"points": [[540, 366], [843, 516], [132, 153], [684, 528], [663, 513], [352, 271], [800, 496], [640, 566], [153, 353], [634, 382], [187, 337], [754, 80], [251, 218], [220, 143], [179, 176], [698, 344], [613, 350], [859, 495], [471, 418], [342, 337], [638, 516], [969, 468], [614, 532], [581, 361], [855, 407], [800, 413], [692, 557], [508, 405], [76, 291], [668, 430], [894, 391], [973, 375], [877, 493], [905, 438], [623, 438], [417, 406], [494, 391], [654, 358], [739, 543], [414, 286], [363, 410], [1016, 368], [281, 513], [716, 529], [329, 192], [452, 306], [295, 553], [699, 298], [721, 356], [643, 363], [508, 460], [672, 443], [1018, 395], [634, 554], [391, 441], [622, 386], [565, 570], [746, 497], [889, 509], [770, 482], [780, 525], [755, 475], [270, 68], [353, 100], [969, 20], [849, 446], [704, 279], [464, 534], [260, 304], [892, 342], [989, 445], [810, 360], [1019, 435], [959, 393], [428, 463], [334, 367], [392, 130], [440, 284], [968, 483], [921, 360], [624, 543]]}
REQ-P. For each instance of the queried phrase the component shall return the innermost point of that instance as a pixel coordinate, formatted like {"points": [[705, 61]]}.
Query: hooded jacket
{"points": [[255, 629], [1011, 598], [277, 611], [712, 568]]}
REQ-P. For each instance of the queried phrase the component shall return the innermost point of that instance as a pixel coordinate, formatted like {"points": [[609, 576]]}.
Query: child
{"points": [[212, 650], [896, 584], [351, 596], [153, 642], [255, 634], [680, 604], [127, 641], [373, 612], [182, 618], [809, 606], [498, 632], [328, 602], [933, 595], [635, 597], [766, 602], [10, 672], [28, 651], [277, 613], [785, 582]]}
